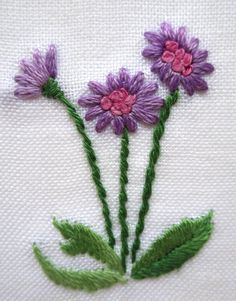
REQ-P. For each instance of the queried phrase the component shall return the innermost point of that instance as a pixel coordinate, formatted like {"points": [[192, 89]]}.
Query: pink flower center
{"points": [[119, 102], [179, 59]]}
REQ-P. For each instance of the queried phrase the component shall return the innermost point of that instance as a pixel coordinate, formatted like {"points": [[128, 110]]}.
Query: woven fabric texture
{"points": [[43, 169]]}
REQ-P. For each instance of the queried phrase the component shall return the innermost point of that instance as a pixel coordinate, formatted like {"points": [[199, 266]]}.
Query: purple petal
{"points": [[156, 66], [130, 123], [28, 92], [34, 72], [124, 78], [173, 82], [193, 44], [192, 83], [39, 63], [152, 51], [98, 88], [27, 67], [186, 82], [103, 121], [149, 103], [144, 115], [181, 37], [164, 71], [147, 89], [93, 112], [25, 80], [89, 100], [154, 38], [199, 83], [200, 56], [167, 30], [118, 125], [112, 82], [51, 61], [38, 59], [136, 82], [203, 68]]}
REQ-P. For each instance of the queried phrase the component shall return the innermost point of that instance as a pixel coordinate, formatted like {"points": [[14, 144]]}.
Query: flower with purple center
{"points": [[35, 73], [122, 101], [177, 59]]}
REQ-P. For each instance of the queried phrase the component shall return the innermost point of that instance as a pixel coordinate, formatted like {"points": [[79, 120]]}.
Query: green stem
{"points": [[150, 171], [124, 153], [52, 90]]}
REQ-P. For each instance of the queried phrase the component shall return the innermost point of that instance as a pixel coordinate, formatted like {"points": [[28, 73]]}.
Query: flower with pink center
{"points": [[122, 101], [177, 59]]}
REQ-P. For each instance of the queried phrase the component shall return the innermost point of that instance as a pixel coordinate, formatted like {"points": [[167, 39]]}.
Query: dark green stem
{"points": [[150, 171], [52, 90], [124, 153]]}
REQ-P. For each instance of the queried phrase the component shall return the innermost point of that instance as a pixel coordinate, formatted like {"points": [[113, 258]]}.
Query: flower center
{"points": [[119, 102], [179, 59]]}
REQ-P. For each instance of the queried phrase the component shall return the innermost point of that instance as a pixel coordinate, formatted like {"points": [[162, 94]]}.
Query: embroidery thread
{"points": [[123, 198], [83, 279], [38, 78], [171, 44], [122, 102], [177, 59], [82, 239], [129, 100], [174, 247], [150, 171]]}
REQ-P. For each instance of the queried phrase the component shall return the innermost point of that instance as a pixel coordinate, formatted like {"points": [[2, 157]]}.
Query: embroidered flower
{"points": [[177, 59], [35, 73], [121, 102]]}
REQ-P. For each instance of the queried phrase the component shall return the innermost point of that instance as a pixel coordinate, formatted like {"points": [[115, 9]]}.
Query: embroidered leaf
{"points": [[83, 279], [174, 247], [82, 239]]}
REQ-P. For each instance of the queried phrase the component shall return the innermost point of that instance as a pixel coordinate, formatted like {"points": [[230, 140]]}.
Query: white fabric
{"points": [[44, 172]]}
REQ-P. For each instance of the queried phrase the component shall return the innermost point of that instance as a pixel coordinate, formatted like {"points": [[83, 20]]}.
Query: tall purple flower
{"points": [[122, 101], [177, 59], [35, 73]]}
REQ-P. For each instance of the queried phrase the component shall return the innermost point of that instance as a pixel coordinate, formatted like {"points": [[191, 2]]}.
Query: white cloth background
{"points": [[44, 172]]}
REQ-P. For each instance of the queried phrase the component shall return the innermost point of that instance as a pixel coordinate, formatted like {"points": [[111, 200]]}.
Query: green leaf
{"points": [[178, 244], [83, 279], [81, 240]]}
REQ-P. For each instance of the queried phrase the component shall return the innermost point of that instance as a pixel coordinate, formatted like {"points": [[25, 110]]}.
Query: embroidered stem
{"points": [[124, 153], [52, 90], [150, 171]]}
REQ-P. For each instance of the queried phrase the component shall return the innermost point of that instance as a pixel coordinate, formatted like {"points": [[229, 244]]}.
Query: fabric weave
{"points": [[43, 168]]}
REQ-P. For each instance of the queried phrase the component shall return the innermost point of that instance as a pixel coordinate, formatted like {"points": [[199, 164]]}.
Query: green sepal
{"points": [[77, 279], [81, 239], [178, 244]]}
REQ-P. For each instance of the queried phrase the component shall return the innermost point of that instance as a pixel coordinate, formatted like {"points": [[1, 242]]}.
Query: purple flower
{"points": [[177, 59], [35, 73], [121, 102]]}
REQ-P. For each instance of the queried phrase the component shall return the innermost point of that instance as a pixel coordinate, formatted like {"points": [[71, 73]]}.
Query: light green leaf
{"points": [[83, 279], [178, 244], [82, 239]]}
